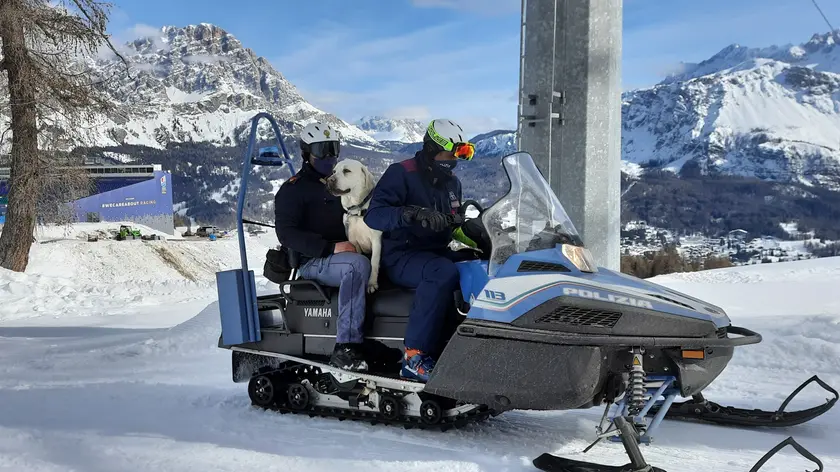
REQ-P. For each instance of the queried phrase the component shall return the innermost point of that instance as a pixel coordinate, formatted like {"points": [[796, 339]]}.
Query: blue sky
{"points": [[458, 58]]}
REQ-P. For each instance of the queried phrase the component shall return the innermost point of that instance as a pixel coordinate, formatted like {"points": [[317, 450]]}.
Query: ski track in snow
{"points": [[115, 386]]}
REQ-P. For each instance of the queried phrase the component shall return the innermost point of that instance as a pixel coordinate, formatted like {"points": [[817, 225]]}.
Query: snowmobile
{"points": [[536, 325]]}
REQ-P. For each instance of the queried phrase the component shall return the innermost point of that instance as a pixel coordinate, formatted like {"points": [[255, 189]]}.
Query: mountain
{"points": [[710, 132], [390, 130], [771, 113], [198, 84], [497, 143]]}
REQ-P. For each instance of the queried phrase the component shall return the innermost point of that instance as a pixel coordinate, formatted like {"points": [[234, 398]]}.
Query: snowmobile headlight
{"points": [[580, 257]]}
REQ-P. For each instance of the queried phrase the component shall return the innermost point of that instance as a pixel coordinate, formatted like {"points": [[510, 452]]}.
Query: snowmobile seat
{"points": [[394, 302], [389, 300]]}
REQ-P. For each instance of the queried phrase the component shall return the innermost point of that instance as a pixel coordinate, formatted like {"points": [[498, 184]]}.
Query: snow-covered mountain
{"points": [[198, 83], [400, 130], [772, 113], [495, 143]]}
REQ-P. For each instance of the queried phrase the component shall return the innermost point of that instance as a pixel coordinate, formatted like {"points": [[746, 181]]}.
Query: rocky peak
{"points": [[205, 38], [768, 112], [820, 41], [199, 83]]}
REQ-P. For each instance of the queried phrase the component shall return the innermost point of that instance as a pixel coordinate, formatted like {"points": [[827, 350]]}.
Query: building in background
{"points": [[140, 194]]}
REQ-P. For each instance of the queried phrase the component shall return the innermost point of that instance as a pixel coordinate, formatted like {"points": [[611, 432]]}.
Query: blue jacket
{"points": [[407, 183]]}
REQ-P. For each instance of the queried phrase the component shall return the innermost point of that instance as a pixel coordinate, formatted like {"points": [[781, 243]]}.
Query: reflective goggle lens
{"points": [[464, 151], [325, 149]]}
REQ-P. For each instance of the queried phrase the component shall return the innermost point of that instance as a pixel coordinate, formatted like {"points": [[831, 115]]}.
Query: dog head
{"points": [[350, 180]]}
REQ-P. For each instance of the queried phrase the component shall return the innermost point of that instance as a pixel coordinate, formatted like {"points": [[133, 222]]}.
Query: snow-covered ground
{"points": [[110, 363]]}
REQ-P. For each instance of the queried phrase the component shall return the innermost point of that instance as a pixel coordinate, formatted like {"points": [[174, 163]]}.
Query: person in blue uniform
{"points": [[417, 191], [309, 220]]}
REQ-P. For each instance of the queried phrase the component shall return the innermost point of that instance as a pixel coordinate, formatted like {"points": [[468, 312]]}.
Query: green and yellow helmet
{"points": [[449, 136]]}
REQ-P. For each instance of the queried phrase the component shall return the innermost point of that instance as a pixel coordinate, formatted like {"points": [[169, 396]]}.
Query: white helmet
{"points": [[320, 140], [445, 133]]}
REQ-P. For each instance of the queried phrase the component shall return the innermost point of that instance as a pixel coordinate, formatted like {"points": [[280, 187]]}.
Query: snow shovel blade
{"points": [[712, 412], [551, 463]]}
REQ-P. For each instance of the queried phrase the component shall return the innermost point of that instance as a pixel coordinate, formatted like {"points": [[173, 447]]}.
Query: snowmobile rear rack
{"points": [[698, 408]]}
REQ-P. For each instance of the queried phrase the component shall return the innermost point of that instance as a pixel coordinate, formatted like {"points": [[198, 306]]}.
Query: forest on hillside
{"points": [[685, 203]]}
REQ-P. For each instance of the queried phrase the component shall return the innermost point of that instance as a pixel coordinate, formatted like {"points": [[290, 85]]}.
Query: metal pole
{"points": [[570, 112]]}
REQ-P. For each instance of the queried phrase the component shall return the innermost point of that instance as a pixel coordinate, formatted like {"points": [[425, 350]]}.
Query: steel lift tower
{"points": [[570, 111]]}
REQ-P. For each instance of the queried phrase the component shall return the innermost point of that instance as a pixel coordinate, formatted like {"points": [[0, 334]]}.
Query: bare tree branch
{"points": [[52, 92]]}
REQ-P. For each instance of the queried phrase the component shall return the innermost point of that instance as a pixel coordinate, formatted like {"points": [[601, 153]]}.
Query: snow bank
{"points": [[69, 277]]}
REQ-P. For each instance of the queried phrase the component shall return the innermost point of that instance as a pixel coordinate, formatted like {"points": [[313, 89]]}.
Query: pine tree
{"points": [[44, 43]]}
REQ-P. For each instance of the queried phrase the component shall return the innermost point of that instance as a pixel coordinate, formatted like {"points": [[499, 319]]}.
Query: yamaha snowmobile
{"points": [[536, 325]]}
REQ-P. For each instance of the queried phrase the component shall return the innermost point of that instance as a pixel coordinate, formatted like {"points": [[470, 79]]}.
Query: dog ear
{"points": [[369, 183]]}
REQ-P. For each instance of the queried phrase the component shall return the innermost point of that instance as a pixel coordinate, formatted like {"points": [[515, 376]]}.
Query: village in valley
{"points": [[638, 238]]}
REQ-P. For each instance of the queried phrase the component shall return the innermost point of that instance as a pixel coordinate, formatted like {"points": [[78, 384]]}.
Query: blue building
{"points": [[137, 193]]}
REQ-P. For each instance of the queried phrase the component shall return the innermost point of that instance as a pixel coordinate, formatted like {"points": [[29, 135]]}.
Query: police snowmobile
{"points": [[537, 326]]}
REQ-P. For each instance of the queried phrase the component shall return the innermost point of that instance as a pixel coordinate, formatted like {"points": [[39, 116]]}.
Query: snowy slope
{"points": [[819, 53], [69, 276], [144, 387], [397, 130], [196, 83], [497, 143], [772, 113]]}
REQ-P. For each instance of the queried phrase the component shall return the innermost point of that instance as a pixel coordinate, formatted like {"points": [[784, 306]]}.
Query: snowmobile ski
{"points": [[551, 463], [701, 409], [788, 442], [629, 438]]}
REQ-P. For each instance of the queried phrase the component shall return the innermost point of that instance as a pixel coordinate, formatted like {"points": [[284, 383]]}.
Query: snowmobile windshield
{"points": [[529, 217]]}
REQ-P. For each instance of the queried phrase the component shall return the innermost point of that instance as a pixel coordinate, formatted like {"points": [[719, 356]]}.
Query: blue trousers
{"points": [[349, 271], [435, 278]]}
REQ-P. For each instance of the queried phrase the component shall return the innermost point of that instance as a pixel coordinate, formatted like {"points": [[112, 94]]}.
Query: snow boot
{"points": [[417, 365], [349, 357]]}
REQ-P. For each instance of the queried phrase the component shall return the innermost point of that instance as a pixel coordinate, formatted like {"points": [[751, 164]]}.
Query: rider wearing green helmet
{"points": [[410, 205]]}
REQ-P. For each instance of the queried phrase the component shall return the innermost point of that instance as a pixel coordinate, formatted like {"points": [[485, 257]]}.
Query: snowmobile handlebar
{"points": [[453, 221]]}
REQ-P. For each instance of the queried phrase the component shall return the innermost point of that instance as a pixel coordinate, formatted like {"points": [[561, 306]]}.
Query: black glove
{"points": [[426, 217]]}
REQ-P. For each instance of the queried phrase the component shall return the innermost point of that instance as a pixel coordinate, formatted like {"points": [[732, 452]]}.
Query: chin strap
{"points": [[357, 210]]}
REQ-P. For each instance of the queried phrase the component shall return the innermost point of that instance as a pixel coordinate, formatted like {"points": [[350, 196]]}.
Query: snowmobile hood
{"points": [[677, 300], [504, 299]]}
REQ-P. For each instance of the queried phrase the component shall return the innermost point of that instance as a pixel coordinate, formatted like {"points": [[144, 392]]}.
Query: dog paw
{"points": [[372, 287]]}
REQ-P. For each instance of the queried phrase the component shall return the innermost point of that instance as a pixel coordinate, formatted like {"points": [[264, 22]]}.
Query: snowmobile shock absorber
{"points": [[636, 386]]}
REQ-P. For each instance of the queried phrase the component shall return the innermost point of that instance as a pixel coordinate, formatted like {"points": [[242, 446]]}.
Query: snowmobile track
{"points": [[455, 422], [284, 403]]}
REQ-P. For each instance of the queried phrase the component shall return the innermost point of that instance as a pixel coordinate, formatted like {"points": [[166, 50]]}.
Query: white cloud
{"points": [[152, 33], [420, 74], [130, 33]]}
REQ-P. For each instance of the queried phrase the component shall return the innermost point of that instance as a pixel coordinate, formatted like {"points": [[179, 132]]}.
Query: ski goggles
{"points": [[464, 151], [325, 149]]}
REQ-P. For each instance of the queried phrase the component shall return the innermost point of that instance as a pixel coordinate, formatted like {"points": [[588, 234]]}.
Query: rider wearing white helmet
{"points": [[309, 220]]}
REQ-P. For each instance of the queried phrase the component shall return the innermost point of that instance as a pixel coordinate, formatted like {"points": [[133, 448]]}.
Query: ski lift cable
{"points": [[831, 28]]}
